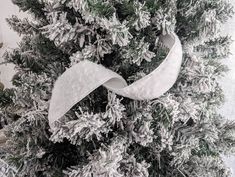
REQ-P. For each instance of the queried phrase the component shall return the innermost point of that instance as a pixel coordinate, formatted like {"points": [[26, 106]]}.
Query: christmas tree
{"points": [[179, 134]]}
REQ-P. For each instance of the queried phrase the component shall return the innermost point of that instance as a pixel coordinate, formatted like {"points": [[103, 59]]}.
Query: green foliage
{"points": [[21, 26], [215, 48], [101, 8], [6, 97], [192, 14], [34, 6], [178, 134]]}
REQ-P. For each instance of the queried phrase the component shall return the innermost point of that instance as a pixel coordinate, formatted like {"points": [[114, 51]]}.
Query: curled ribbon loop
{"points": [[81, 79]]}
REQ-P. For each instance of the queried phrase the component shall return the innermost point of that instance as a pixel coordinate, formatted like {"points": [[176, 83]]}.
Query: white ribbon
{"points": [[81, 79]]}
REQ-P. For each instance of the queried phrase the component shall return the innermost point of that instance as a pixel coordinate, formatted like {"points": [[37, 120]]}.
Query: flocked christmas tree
{"points": [[179, 134]]}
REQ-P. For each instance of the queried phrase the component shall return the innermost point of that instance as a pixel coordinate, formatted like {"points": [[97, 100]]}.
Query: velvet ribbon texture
{"points": [[81, 79]]}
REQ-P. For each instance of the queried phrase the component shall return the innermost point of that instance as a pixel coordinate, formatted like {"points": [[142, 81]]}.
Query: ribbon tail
{"points": [[80, 80]]}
